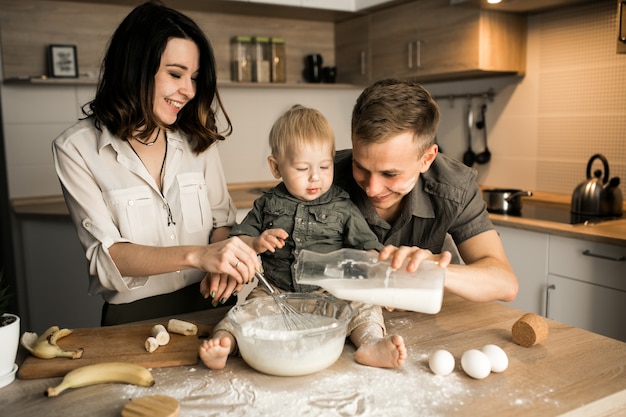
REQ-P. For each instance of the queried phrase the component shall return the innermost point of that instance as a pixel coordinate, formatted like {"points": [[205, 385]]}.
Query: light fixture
{"points": [[494, 1]]}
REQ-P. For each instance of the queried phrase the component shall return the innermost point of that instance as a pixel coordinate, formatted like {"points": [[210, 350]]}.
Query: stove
{"points": [[557, 214]]}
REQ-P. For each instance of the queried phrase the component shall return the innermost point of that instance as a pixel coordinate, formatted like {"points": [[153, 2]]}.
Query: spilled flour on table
{"points": [[241, 391], [412, 389]]}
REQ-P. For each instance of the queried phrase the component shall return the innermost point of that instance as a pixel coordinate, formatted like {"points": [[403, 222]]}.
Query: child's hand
{"points": [[269, 240]]}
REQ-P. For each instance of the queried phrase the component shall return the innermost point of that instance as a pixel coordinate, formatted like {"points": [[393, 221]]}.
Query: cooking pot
{"points": [[598, 196], [505, 201]]}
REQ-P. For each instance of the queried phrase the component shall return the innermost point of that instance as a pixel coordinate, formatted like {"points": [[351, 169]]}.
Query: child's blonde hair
{"points": [[300, 126]]}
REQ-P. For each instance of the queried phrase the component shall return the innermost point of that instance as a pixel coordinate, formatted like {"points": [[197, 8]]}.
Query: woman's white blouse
{"points": [[112, 198]]}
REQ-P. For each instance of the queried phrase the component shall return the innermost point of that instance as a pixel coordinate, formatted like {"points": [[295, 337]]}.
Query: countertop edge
{"points": [[244, 193]]}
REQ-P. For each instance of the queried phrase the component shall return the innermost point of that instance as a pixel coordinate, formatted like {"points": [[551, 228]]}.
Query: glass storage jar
{"points": [[261, 72], [279, 60], [242, 50]]}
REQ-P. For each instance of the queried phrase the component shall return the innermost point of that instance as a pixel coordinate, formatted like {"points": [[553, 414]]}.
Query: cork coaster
{"points": [[153, 406], [530, 330]]}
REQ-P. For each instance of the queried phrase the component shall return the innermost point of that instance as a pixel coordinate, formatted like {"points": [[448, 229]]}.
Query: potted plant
{"points": [[9, 335]]}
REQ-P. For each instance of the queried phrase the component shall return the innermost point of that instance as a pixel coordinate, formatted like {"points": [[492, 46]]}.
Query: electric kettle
{"points": [[598, 196]]}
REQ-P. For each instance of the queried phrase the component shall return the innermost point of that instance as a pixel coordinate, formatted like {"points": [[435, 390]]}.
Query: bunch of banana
{"points": [[102, 373], [45, 346]]}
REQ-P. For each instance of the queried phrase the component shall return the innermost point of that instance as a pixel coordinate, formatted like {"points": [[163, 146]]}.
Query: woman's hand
{"points": [[230, 257], [219, 287], [414, 255]]}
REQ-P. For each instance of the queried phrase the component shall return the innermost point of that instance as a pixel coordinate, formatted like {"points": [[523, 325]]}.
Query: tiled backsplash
{"points": [[582, 95]]}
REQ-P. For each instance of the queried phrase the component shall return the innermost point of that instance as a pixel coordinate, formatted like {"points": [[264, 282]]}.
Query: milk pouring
{"points": [[356, 275]]}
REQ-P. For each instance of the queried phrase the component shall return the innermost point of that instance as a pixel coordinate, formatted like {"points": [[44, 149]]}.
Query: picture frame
{"points": [[62, 61]]}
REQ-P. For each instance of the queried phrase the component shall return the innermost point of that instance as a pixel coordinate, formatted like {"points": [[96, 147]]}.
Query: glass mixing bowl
{"points": [[287, 344]]}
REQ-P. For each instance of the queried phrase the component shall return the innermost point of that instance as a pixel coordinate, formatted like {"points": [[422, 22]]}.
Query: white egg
{"points": [[476, 364], [441, 362], [497, 357]]}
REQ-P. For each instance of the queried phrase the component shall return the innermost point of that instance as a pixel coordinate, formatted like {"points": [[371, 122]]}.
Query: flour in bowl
{"points": [[266, 345]]}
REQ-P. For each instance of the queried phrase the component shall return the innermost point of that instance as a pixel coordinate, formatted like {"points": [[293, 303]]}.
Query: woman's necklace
{"points": [[170, 218], [149, 143], [162, 170]]}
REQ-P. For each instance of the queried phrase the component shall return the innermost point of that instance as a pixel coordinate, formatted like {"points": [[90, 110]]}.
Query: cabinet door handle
{"points": [[587, 252], [548, 291], [363, 72], [622, 21], [418, 53]]}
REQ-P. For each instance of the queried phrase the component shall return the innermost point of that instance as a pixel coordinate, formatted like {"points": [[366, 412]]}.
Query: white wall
{"points": [[253, 112], [542, 128], [35, 115]]}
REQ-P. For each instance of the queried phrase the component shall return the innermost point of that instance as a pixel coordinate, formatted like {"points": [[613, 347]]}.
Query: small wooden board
{"points": [[123, 343], [152, 406]]}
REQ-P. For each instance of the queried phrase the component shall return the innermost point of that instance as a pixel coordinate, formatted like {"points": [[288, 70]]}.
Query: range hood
{"points": [[518, 6]]}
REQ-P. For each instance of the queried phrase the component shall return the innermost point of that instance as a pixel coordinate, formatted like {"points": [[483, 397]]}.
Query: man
{"points": [[412, 196]]}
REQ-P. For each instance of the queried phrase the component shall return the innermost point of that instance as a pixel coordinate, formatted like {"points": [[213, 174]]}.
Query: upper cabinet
{"points": [[426, 39], [430, 40], [89, 26], [352, 51]]}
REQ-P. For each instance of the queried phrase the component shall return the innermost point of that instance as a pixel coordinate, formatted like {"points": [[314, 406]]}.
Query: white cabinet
{"points": [[528, 253], [574, 281], [341, 5], [587, 306], [587, 285]]}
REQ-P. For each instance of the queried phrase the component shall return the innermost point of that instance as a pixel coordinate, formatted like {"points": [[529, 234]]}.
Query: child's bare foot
{"points": [[387, 352], [214, 352]]}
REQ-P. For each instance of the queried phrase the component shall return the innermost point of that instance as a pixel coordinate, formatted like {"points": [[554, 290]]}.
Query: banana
{"points": [[45, 346], [102, 373], [52, 339]]}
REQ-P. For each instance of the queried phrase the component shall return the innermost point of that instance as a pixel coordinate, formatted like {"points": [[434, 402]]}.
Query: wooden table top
{"points": [[573, 372]]}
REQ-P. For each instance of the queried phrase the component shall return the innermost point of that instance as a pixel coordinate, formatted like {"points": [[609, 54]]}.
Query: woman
{"points": [[142, 177]]}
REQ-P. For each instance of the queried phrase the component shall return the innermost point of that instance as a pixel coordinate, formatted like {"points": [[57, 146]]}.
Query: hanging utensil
{"points": [[469, 157], [484, 156]]}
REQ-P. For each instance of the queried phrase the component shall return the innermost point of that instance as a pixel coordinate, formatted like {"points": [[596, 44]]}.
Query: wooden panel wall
{"points": [[28, 26]]}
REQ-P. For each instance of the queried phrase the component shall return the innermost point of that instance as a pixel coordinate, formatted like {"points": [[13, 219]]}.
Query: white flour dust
{"points": [[245, 392], [345, 390]]}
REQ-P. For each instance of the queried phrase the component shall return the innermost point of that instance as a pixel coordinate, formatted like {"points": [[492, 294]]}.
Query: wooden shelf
{"points": [[221, 84], [50, 81]]}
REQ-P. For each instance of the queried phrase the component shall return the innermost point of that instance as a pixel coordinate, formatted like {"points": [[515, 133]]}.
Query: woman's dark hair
{"points": [[125, 93]]}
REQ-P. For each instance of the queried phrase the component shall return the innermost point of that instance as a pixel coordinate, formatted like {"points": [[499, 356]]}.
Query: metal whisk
{"points": [[293, 319]]}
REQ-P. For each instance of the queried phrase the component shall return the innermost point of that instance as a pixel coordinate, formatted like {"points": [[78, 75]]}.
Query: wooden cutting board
{"points": [[123, 343]]}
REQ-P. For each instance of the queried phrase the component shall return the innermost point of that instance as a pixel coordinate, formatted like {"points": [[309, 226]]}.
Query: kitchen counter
{"points": [[610, 231], [572, 373], [244, 194]]}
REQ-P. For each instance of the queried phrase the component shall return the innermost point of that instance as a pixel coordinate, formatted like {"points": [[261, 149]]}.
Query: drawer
{"points": [[592, 262]]}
